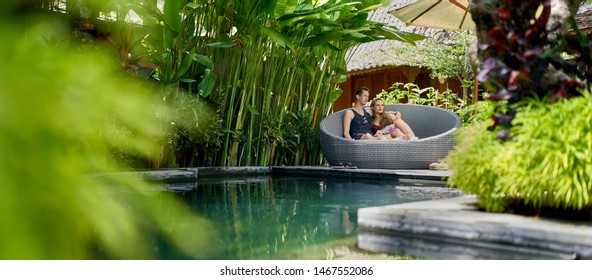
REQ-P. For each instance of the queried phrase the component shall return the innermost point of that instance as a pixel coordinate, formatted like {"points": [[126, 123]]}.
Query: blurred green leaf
{"points": [[252, 109], [206, 86], [335, 94], [277, 37], [221, 45], [307, 68], [61, 196], [172, 18], [183, 67], [203, 60]]}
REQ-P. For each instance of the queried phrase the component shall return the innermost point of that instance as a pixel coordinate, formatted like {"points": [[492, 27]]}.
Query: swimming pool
{"points": [[291, 217]]}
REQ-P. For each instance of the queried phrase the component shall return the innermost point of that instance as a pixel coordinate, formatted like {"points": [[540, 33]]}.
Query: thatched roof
{"points": [[585, 22], [372, 55], [376, 55], [584, 18]]}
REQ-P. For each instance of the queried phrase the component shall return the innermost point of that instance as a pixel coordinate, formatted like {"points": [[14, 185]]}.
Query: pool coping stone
{"points": [[454, 228], [192, 174], [343, 172]]}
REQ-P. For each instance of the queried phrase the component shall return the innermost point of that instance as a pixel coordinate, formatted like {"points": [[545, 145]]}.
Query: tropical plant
{"points": [[276, 60], [116, 10], [476, 113], [251, 61], [413, 94], [547, 165], [410, 93], [445, 57], [195, 132], [543, 164], [62, 114], [167, 39], [126, 47], [518, 62]]}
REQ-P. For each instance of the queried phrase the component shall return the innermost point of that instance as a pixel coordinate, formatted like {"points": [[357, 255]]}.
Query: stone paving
{"points": [[455, 229]]}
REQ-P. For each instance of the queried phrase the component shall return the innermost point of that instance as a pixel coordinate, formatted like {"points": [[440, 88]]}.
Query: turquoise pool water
{"points": [[271, 217]]}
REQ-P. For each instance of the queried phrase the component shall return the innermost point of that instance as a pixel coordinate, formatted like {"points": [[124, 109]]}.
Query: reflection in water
{"points": [[271, 217]]}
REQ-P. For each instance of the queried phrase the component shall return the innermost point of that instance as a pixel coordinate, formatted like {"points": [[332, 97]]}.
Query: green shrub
{"points": [[476, 165], [62, 113], [478, 112], [194, 134], [413, 94], [547, 165]]}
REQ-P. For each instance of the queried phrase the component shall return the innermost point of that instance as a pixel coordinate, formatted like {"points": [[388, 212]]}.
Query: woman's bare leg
{"points": [[368, 136], [398, 134], [404, 127]]}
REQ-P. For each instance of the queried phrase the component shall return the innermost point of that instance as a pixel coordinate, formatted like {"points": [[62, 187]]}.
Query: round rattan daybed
{"points": [[434, 127]]}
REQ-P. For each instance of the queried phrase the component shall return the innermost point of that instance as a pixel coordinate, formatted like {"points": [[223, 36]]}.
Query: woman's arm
{"points": [[395, 115]]}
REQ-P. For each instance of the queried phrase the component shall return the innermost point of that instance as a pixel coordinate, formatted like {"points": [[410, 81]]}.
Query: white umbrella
{"points": [[441, 14]]}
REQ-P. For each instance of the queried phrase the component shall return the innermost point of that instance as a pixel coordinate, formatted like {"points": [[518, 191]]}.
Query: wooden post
{"points": [[476, 91], [475, 94]]}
